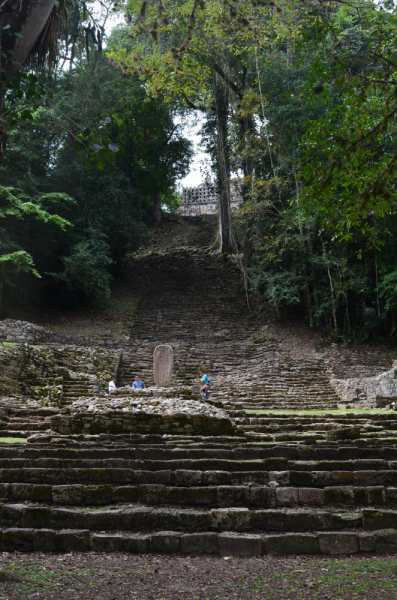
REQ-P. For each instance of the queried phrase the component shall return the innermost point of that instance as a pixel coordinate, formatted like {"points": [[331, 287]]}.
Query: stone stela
{"points": [[163, 359]]}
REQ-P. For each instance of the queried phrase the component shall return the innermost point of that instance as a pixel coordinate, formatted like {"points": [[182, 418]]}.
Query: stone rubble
{"points": [[143, 415], [371, 392]]}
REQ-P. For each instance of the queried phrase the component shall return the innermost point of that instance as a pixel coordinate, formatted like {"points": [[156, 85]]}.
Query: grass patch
{"points": [[350, 411], [9, 344], [12, 440], [335, 579]]}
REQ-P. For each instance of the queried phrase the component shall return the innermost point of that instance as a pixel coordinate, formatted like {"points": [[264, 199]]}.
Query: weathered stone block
{"points": [[379, 519], [264, 497], [281, 477], [187, 478], [382, 541], [44, 540], [41, 493], [338, 543], [67, 519], [21, 491], [72, 539], [376, 496], [165, 542], [36, 517], [17, 539], [321, 478], [138, 544], [365, 478], [97, 494], [11, 514], [97, 475], [106, 543], [338, 495], [125, 494], [67, 494], [342, 477], [216, 477], [201, 495], [193, 521], [303, 478], [5, 490], [360, 496], [287, 496], [391, 496], [232, 544], [311, 496], [199, 543], [291, 543], [229, 519], [174, 495], [233, 496]]}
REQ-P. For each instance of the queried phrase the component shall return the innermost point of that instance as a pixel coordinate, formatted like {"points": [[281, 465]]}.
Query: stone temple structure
{"points": [[266, 465], [203, 199]]}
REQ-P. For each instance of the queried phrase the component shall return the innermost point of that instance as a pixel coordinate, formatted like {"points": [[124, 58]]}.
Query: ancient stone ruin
{"points": [[204, 200], [368, 392], [172, 473]]}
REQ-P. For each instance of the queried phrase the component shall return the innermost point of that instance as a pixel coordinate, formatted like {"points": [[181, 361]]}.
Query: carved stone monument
{"points": [[163, 359]]}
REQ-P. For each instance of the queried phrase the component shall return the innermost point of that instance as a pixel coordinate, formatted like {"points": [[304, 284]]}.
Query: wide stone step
{"points": [[135, 447], [224, 496], [144, 518], [225, 544]]}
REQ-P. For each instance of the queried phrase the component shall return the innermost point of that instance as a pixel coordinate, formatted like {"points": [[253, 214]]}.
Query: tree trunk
{"points": [[157, 212], [27, 18], [227, 240]]}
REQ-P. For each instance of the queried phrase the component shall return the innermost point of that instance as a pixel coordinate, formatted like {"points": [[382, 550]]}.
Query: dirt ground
{"points": [[91, 576]]}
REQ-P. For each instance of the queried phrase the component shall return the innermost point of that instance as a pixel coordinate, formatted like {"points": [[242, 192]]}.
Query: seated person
{"points": [[138, 383], [112, 386]]}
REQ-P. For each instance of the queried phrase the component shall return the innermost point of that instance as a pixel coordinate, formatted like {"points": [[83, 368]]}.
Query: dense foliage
{"points": [[111, 212], [303, 99], [298, 102]]}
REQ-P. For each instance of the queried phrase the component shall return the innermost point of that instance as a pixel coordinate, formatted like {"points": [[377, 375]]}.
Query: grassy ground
{"points": [[350, 411], [11, 440], [149, 577]]}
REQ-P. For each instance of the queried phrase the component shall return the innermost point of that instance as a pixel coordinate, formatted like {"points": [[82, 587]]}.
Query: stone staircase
{"points": [[280, 485], [194, 302], [201, 498], [76, 387]]}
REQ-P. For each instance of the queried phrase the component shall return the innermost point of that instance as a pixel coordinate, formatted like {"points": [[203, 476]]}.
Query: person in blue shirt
{"points": [[205, 381], [138, 383]]}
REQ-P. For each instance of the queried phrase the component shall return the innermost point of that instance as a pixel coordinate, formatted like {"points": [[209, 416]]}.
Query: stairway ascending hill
{"points": [[192, 299]]}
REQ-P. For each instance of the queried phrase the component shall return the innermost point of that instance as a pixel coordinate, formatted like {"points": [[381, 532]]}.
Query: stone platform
{"points": [[150, 414]]}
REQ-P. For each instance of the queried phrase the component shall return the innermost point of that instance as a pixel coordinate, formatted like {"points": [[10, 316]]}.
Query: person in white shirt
{"points": [[112, 386]]}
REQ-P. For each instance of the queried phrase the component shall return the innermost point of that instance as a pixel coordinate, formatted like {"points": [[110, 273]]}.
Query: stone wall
{"points": [[143, 415], [24, 332], [40, 373], [348, 363], [372, 392]]}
